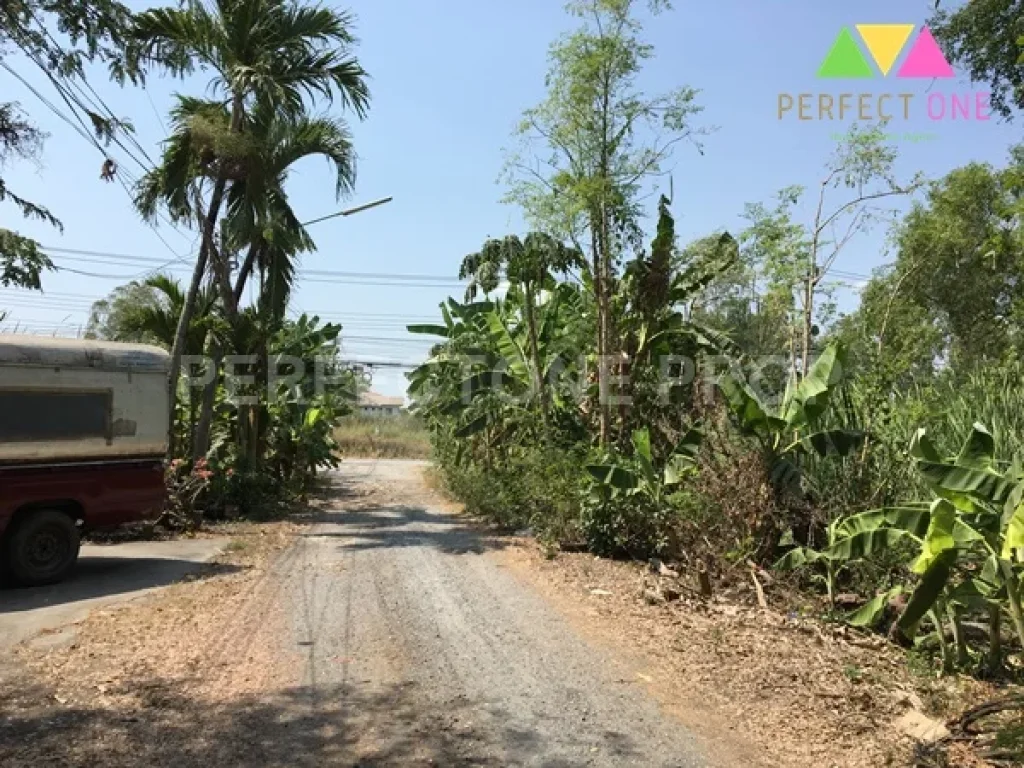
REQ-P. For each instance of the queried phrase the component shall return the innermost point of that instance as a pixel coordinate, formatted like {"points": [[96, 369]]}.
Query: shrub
{"points": [[537, 488]]}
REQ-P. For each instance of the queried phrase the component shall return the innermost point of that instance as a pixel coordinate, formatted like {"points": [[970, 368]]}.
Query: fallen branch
{"points": [[757, 588], [967, 720]]}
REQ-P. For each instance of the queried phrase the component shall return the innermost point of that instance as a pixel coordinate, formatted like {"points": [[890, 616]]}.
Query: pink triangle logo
{"points": [[926, 59]]}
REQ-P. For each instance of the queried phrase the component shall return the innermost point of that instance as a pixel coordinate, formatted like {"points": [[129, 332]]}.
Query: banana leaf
{"points": [[677, 468], [1014, 536], [869, 614], [510, 349], [785, 474], [930, 588], [974, 594], [979, 450], [689, 444], [939, 537], [708, 338], [752, 415], [643, 456], [868, 542], [985, 484], [912, 518], [799, 557], [921, 447], [473, 427], [832, 442], [809, 399], [613, 475]]}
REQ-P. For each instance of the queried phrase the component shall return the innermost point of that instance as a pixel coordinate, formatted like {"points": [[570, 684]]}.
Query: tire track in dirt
{"points": [[422, 649]]}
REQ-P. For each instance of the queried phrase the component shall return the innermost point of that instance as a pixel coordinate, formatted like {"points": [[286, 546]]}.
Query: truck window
{"points": [[29, 416]]}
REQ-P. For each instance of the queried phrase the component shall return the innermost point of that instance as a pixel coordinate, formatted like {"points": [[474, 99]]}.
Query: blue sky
{"points": [[449, 81]]}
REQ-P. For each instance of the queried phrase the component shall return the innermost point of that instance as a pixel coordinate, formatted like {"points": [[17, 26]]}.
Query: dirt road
{"points": [[383, 631], [430, 649]]}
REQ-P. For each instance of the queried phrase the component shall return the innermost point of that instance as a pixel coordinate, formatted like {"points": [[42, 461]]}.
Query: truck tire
{"points": [[43, 548]]}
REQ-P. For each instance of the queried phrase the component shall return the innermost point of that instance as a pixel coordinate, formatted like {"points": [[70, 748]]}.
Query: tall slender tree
{"points": [[590, 148], [274, 54], [258, 217]]}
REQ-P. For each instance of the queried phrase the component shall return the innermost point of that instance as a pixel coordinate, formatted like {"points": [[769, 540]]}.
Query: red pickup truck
{"points": [[83, 439]]}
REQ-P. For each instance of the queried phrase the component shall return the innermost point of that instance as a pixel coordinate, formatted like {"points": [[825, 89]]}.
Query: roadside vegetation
{"points": [[244, 437], [394, 437], [706, 404]]}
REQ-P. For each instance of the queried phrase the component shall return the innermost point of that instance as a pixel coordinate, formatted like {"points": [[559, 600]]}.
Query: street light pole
{"points": [[350, 211]]}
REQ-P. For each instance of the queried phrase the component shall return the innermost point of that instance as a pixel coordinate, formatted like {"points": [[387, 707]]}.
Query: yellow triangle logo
{"points": [[885, 41]]}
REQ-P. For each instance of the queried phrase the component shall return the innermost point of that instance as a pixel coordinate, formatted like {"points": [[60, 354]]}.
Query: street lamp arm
{"points": [[350, 211]]}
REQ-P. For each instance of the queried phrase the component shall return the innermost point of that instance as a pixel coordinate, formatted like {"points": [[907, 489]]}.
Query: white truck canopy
{"points": [[71, 400], [47, 352]]}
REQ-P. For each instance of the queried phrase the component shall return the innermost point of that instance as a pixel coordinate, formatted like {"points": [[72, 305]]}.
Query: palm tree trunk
{"points": [[244, 272], [201, 443], [254, 441], [221, 271], [178, 349], [193, 416], [222, 278]]}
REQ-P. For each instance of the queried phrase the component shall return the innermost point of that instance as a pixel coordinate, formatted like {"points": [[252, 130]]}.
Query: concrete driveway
{"points": [[106, 574]]}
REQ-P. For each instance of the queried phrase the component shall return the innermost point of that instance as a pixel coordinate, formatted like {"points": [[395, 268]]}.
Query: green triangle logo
{"points": [[845, 60]]}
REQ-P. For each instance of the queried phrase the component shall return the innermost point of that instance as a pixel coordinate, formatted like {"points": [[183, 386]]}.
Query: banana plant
{"points": [[486, 367], [968, 541], [976, 518], [637, 475], [798, 427]]}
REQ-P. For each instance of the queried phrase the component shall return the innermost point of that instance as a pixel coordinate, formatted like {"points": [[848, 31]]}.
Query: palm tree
{"points": [[258, 215], [147, 312], [271, 54]]}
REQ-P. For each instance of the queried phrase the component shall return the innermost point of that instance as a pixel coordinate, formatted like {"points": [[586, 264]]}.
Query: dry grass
{"points": [[162, 679], [398, 437], [811, 694]]}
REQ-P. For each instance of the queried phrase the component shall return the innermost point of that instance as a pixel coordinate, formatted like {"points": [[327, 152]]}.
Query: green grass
{"points": [[395, 437]]}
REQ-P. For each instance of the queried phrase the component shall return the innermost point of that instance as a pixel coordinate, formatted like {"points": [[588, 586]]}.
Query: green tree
{"points": [[272, 54], [147, 312], [258, 217], [956, 293], [21, 261], [529, 263], [754, 316], [59, 37], [590, 148], [984, 36], [796, 257]]}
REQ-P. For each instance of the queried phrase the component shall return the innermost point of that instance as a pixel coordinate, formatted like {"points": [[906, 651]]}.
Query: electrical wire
{"points": [[134, 259]]}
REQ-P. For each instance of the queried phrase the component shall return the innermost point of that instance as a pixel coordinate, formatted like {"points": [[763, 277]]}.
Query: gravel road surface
{"points": [[425, 649], [376, 630]]}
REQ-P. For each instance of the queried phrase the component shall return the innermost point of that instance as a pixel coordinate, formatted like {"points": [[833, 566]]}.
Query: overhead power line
{"points": [[141, 260]]}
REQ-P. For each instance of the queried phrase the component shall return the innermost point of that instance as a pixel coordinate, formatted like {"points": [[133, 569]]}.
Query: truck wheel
{"points": [[43, 548]]}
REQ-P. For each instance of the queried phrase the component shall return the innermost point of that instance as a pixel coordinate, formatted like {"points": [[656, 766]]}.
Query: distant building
{"points": [[374, 404]]}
